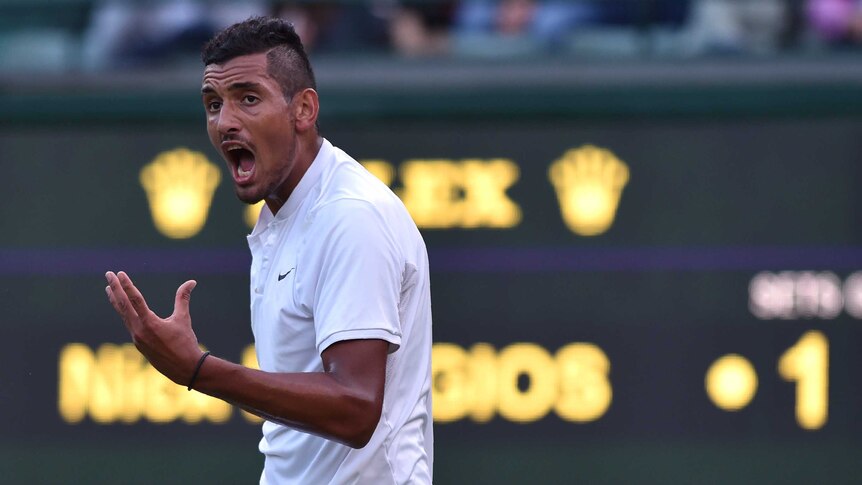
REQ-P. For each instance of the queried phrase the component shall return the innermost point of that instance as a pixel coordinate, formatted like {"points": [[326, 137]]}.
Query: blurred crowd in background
{"points": [[93, 35]]}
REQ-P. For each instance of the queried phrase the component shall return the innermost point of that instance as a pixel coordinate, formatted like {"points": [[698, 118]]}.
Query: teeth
{"points": [[239, 170]]}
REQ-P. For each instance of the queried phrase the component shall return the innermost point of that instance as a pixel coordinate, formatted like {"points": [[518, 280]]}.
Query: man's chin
{"points": [[249, 198]]}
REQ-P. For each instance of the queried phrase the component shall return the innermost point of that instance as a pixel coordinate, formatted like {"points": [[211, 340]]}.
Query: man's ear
{"points": [[305, 110]]}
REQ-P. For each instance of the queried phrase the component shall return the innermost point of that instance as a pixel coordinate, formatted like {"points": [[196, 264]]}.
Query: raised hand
{"points": [[169, 343]]}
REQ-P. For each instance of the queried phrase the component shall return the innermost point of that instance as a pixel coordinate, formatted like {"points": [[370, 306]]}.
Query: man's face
{"points": [[250, 123]]}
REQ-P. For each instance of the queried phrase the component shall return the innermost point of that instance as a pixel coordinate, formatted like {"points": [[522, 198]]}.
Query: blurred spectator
{"points": [[644, 13], [631, 28], [421, 30], [131, 34], [835, 22], [332, 27], [141, 33], [584, 27], [518, 27], [737, 26]]}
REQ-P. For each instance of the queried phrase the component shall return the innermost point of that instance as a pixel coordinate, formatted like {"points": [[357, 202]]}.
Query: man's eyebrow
{"points": [[207, 89]]}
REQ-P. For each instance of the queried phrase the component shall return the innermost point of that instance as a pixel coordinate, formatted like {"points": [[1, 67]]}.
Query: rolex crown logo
{"points": [[180, 184], [251, 213], [589, 182]]}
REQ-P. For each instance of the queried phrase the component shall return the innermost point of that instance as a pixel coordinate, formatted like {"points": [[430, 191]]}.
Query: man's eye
{"points": [[250, 99], [214, 105]]}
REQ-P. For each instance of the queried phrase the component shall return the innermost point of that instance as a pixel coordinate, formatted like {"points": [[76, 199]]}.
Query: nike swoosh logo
{"points": [[283, 276]]}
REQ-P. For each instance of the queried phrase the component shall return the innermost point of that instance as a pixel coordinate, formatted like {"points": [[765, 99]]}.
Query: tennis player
{"points": [[340, 299]]}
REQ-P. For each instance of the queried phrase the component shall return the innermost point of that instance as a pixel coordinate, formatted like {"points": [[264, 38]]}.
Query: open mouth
{"points": [[242, 160]]}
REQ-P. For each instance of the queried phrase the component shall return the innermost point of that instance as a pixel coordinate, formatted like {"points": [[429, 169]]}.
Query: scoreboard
{"points": [[615, 301]]}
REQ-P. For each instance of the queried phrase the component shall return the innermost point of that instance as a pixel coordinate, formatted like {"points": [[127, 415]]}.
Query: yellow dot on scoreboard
{"points": [[731, 382]]}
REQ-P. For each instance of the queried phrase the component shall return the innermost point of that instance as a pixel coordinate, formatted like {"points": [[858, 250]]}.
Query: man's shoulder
{"points": [[348, 184]]}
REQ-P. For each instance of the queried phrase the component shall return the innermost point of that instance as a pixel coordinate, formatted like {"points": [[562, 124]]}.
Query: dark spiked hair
{"points": [[287, 61]]}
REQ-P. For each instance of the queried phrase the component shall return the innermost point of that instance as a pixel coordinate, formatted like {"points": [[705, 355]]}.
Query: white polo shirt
{"points": [[343, 260]]}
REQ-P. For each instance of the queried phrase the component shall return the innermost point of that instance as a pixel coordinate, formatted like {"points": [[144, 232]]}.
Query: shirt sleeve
{"points": [[357, 288]]}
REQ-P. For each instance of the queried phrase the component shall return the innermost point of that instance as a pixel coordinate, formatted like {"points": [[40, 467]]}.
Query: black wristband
{"points": [[198, 369]]}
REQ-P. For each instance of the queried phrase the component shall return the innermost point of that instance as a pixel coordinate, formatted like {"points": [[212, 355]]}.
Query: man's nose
{"points": [[228, 122]]}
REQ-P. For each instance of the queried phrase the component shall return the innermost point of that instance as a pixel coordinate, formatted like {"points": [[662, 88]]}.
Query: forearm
{"points": [[316, 402]]}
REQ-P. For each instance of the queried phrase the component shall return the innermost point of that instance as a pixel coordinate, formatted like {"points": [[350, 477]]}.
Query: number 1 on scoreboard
{"points": [[807, 363]]}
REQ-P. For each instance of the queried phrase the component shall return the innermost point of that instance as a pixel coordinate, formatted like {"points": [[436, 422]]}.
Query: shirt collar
{"points": [[308, 180]]}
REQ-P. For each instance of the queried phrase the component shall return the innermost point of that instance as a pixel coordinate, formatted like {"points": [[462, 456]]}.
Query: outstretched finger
{"points": [[183, 298], [119, 300], [135, 296]]}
